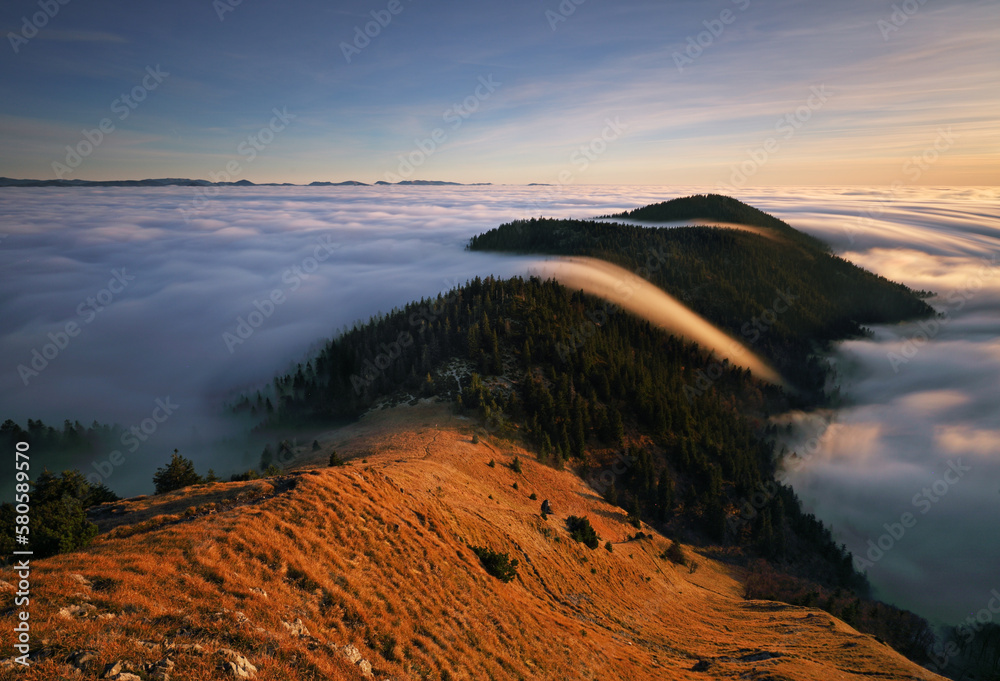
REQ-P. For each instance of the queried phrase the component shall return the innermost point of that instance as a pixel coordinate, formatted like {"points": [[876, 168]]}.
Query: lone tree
{"points": [[175, 475]]}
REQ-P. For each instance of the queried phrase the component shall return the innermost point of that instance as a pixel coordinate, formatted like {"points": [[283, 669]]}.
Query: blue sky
{"points": [[598, 92]]}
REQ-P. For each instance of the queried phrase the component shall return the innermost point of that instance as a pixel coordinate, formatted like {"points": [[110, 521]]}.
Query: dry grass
{"points": [[377, 555]]}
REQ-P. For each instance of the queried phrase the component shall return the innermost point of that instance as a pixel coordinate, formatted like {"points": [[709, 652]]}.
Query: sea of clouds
{"points": [[151, 307]]}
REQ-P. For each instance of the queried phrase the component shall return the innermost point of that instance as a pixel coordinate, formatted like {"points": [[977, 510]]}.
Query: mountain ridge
{"points": [[309, 574]]}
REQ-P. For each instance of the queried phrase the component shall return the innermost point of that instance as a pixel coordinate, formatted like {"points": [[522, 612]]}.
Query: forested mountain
{"points": [[720, 208], [601, 390], [786, 297]]}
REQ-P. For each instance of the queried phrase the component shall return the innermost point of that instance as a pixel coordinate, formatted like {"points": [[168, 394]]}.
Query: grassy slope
{"points": [[376, 554]]}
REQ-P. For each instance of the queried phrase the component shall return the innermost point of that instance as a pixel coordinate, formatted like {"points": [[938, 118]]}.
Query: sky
{"points": [[736, 93]]}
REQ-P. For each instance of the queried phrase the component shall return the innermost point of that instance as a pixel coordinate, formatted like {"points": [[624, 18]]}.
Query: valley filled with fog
{"points": [[123, 305]]}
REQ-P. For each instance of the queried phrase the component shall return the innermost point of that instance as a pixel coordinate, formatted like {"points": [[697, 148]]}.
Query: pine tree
{"points": [[175, 475]]}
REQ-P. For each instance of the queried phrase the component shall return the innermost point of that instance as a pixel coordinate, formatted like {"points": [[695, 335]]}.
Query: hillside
{"points": [[303, 574], [786, 296]]}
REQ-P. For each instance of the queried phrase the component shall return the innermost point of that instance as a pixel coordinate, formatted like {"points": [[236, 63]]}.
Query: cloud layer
{"points": [[152, 296]]}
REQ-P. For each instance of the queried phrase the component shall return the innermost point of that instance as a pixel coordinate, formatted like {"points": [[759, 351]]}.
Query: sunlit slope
{"points": [[286, 572], [783, 296]]}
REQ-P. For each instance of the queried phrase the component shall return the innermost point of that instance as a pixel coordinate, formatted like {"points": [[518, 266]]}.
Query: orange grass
{"points": [[377, 555]]}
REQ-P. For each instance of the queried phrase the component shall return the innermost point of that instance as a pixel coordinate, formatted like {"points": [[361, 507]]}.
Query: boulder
{"points": [[80, 579], [83, 659], [112, 670], [351, 653], [296, 628], [236, 665], [78, 611]]}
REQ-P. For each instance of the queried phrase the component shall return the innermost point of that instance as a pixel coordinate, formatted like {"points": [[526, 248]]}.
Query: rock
{"points": [[296, 628], [351, 653], [106, 616], [193, 648], [112, 670], [83, 659], [125, 676], [81, 579], [160, 669], [547, 507], [236, 664], [78, 611], [233, 670], [5, 586], [237, 615], [259, 591], [366, 669]]}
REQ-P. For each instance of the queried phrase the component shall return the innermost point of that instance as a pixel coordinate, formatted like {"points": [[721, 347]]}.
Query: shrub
{"points": [[315, 445], [177, 474], [675, 554], [581, 530], [500, 565], [515, 465], [533, 496], [608, 546], [492, 464], [243, 477], [475, 439], [335, 459]]}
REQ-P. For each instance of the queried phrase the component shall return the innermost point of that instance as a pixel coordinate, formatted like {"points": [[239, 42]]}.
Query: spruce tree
{"points": [[175, 475]]}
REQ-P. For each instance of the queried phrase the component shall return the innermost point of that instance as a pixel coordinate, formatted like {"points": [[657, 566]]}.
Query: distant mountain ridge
{"points": [[185, 182]]}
